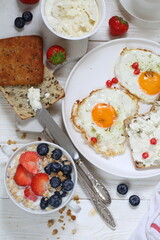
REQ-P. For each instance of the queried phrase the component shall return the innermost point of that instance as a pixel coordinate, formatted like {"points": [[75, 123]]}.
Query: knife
{"points": [[61, 138]]}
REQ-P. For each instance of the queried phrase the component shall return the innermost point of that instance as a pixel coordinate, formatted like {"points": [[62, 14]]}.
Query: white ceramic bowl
{"points": [[67, 199], [102, 11]]}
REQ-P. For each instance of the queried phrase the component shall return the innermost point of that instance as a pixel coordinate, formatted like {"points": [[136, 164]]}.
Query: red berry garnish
{"points": [[153, 141], [114, 80], [145, 155], [93, 139], [109, 83], [134, 65], [136, 71]]}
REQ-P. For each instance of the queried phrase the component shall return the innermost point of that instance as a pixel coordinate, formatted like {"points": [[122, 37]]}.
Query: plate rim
{"points": [[151, 175]]}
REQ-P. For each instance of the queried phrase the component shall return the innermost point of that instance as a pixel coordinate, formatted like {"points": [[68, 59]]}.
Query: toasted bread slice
{"points": [[140, 129], [21, 60], [17, 95]]}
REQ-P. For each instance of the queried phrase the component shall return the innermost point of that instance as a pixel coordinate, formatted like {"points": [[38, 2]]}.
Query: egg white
{"points": [[147, 61], [111, 140]]}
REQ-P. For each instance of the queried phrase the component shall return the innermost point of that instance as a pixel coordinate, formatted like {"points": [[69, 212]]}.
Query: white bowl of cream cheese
{"points": [[73, 19]]}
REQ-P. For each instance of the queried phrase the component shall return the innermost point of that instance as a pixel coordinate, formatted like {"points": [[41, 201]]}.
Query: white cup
{"points": [[101, 11], [147, 9], [68, 199]]}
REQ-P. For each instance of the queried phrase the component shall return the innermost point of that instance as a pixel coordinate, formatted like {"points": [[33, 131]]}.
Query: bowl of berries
{"points": [[41, 178]]}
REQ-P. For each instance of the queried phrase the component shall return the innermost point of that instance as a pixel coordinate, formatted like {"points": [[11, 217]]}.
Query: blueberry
{"points": [[55, 182], [63, 194], [67, 185], [55, 167], [56, 154], [44, 203], [27, 16], [66, 169], [134, 200], [19, 22], [122, 188], [42, 149], [57, 193], [47, 169], [55, 201]]}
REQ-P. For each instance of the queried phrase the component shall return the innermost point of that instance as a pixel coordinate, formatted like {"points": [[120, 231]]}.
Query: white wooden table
{"points": [[16, 224]]}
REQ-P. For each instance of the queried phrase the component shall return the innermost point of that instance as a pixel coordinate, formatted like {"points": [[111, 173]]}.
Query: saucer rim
{"points": [[135, 16]]}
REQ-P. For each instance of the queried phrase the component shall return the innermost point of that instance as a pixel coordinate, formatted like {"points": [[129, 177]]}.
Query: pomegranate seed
{"points": [[114, 80], [109, 83], [145, 155], [136, 71], [134, 65], [153, 141], [93, 139]]}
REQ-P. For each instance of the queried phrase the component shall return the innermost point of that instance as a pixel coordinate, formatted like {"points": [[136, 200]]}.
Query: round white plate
{"points": [[89, 74], [142, 10]]}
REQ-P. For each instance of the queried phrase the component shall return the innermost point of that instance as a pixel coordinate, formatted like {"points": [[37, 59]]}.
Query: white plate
{"points": [[89, 74], [142, 10]]}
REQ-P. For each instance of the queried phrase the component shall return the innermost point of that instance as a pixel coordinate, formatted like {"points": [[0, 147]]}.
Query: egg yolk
{"points": [[149, 82], [103, 115]]}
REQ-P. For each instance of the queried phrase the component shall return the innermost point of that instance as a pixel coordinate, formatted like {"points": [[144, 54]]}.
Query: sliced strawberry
{"points": [[22, 177], [30, 161], [39, 183], [30, 194]]}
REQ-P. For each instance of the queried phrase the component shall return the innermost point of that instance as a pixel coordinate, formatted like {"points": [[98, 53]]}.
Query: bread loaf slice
{"points": [[17, 95], [21, 60], [140, 129]]}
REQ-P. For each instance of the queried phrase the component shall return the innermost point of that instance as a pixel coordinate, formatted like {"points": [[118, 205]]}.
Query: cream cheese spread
{"points": [[72, 18], [34, 98]]}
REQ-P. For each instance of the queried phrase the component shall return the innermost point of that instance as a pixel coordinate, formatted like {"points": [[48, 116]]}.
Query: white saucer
{"points": [[142, 13]]}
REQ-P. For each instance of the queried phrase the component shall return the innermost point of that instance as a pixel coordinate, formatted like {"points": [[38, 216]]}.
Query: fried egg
{"points": [[138, 71], [99, 117]]}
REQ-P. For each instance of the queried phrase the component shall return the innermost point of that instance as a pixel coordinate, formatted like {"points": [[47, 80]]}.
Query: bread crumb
{"points": [[62, 210], [73, 217], [50, 222], [61, 216], [54, 232], [58, 237], [92, 212], [60, 220], [9, 142], [63, 228], [74, 231], [68, 212], [24, 135], [76, 198]]}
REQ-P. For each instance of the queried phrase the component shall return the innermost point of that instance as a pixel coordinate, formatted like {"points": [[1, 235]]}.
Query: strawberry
{"points": [[56, 55], [22, 177], [29, 1], [117, 25], [39, 183], [30, 194], [30, 160]]}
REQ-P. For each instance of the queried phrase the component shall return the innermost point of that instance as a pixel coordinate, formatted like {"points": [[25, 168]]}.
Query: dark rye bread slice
{"points": [[146, 117], [21, 60], [17, 95]]}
